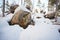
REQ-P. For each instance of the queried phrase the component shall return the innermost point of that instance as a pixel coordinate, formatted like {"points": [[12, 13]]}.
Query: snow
{"points": [[58, 20], [9, 17], [21, 8], [10, 32], [40, 32], [0, 12]]}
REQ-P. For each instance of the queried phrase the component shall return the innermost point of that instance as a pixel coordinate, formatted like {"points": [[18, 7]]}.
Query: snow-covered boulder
{"points": [[50, 15], [39, 19], [22, 17]]}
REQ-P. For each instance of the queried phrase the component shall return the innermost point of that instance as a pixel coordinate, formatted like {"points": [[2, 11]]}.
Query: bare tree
{"points": [[3, 7]]}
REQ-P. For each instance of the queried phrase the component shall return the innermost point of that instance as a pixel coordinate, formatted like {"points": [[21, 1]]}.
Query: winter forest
{"points": [[29, 19]]}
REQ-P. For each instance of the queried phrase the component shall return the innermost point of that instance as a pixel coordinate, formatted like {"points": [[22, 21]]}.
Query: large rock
{"points": [[13, 7], [50, 15], [21, 17]]}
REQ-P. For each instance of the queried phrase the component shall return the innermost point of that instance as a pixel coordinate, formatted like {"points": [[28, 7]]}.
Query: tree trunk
{"points": [[56, 10], [3, 7]]}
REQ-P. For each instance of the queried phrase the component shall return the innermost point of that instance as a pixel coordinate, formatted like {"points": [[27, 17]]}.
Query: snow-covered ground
{"points": [[40, 31], [9, 32]]}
